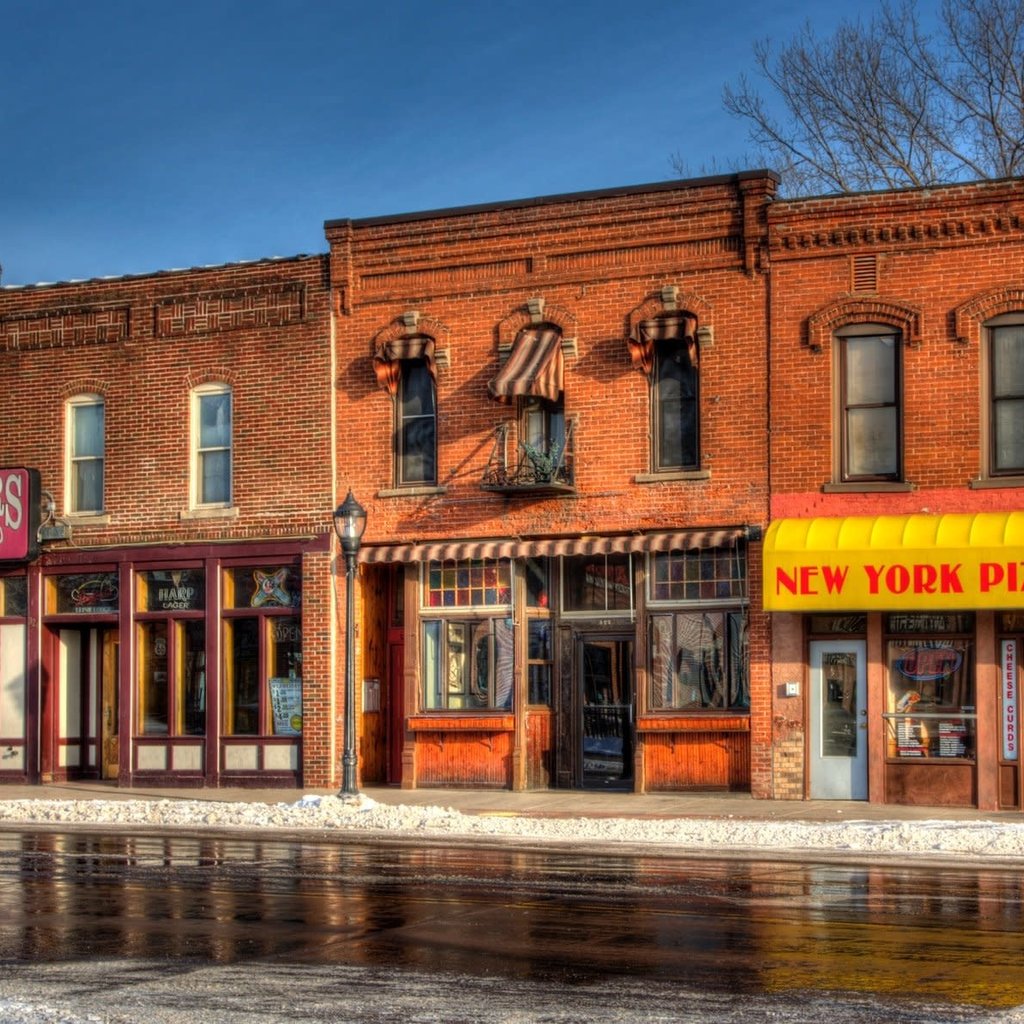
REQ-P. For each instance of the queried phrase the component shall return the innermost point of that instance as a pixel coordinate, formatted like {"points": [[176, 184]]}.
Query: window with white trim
{"points": [[211, 445], [86, 446]]}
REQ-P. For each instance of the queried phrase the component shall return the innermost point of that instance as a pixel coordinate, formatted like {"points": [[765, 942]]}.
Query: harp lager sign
{"points": [[19, 514]]}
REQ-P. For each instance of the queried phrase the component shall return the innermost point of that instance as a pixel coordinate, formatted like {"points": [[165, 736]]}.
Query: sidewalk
{"points": [[541, 803]]}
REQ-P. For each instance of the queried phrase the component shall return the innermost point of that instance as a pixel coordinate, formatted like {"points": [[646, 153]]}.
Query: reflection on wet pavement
{"points": [[727, 929]]}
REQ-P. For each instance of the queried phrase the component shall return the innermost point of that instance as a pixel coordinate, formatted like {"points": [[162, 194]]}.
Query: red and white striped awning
{"points": [[678, 327], [387, 360], [458, 550], [535, 366]]}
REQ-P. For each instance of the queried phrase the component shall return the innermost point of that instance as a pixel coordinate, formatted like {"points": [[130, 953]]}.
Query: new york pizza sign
{"points": [[19, 514]]}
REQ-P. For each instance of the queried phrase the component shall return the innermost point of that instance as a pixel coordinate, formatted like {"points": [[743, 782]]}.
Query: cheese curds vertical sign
{"points": [[19, 514]]}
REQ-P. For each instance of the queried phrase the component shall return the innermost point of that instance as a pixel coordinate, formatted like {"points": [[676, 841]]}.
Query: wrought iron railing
{"points": [[515, 465]]}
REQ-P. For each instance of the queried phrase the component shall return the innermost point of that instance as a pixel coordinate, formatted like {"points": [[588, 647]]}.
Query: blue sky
{"points": [[138, 135]]}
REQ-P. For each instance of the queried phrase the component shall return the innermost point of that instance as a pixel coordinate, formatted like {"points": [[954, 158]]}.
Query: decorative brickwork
{"points": [[249, 308], [822, 324], [64, 328]]}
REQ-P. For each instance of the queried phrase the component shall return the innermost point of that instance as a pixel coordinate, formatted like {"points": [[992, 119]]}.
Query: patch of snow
{"points": [[960, 839]]}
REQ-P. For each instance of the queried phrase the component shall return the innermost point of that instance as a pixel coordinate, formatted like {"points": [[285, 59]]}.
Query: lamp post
{"points": [[349, 523]]}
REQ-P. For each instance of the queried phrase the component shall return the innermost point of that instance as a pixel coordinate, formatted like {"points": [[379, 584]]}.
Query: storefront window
{"points": [[537, 572], [930, 702], [539, 654], [700, 661], [597, 584], [14, 597], [467, 664], [94, 593], [262, 685], [266, 587], [172, 677], [171, 590]]}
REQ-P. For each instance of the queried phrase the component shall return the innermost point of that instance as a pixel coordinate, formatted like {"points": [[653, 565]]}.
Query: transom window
{"points": [[704, 574], [212, 438], [468, 583], [597, 583], [870, 415], [1006, 414], [86, 451]]}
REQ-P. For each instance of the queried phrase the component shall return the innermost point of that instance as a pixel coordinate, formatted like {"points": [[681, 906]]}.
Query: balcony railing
{"points": [[516, 466]]}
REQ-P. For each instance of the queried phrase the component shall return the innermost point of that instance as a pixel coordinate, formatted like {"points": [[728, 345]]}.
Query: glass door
{"points": [[838, 727], [606, 690]]}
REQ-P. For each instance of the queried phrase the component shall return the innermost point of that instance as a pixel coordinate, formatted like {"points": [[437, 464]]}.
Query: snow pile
{"points": [[332, 815]]}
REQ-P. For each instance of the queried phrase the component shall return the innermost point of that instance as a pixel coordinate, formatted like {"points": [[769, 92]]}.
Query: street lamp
{"points": [[349, 523]]}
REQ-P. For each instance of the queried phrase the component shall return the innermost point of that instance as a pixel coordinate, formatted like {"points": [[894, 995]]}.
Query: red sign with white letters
{"points": [[19, 514]]}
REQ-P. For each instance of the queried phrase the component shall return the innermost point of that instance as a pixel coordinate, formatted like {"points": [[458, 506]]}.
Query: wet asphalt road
{"points": [[155, 930]]}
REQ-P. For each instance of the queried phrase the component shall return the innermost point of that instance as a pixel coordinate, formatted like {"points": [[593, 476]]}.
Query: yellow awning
{"points": [[899, 563]]}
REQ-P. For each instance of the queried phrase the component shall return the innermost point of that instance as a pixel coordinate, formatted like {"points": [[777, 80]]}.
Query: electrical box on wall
{"points": [[792, 689]]}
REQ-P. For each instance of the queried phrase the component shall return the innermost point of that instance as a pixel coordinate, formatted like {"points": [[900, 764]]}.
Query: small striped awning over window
{"points": [[387, 360], [681, 328], [535, 366], [450, 550]]}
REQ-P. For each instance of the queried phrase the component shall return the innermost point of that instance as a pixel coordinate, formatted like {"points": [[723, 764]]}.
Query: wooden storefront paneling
{"points": [[697, 760], [539, 750]]}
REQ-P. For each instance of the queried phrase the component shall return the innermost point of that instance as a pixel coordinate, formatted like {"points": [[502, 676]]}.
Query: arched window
{"points": [[1005, 387], [869, 403], [85, 449], [415, 425], [667, 350], [211, 445]]}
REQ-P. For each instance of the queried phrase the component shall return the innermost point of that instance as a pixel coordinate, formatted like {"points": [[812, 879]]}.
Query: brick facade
{"points": [[933, 265], [767, 284], [143, 344], [593, 265]]}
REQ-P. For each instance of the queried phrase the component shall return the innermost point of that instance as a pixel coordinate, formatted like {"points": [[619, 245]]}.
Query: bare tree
{"points": [[887, 104]]}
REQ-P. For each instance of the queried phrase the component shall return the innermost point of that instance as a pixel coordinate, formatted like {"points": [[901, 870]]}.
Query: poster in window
{"points": [[286, 705]]}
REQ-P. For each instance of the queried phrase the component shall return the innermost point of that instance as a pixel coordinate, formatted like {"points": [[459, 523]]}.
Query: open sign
{"points": [[19, 514]]}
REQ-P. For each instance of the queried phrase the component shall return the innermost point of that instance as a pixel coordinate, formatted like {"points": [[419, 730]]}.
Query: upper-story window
{"points": [[1006, 402], [870, 430], [212, 440], [406, 368], [532, 376], [666, 350], [675, 389], [86, 450], [415, 424]]}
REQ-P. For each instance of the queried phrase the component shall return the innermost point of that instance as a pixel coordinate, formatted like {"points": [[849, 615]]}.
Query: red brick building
{"points": [[671, 486], [555, 413], [171, 606], [892, 566]]}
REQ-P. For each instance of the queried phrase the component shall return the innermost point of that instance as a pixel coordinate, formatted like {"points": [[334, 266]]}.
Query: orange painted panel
{"points": [[464, 759], [675, 761]]}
